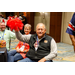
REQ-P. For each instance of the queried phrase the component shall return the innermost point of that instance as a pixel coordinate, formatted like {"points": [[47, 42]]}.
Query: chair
{"points": [[3, 54]]}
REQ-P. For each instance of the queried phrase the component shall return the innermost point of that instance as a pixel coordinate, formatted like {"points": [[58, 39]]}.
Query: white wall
{"points": [[66, 17], [39, 18]]}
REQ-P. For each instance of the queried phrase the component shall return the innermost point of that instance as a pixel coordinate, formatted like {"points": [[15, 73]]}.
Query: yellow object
{"points": [[2, 43]]}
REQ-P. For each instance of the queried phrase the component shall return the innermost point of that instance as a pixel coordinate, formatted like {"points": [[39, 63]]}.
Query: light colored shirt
{"points": [[53, 52], [7, 37]]}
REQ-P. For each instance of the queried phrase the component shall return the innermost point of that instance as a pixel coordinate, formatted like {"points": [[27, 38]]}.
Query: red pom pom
{"points": [[15, 24], [3, 20]]}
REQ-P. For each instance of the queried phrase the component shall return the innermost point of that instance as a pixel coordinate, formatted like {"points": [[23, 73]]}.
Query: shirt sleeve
{"points": [[53, 52], [23, 38], [12, 35], [71, 27]]}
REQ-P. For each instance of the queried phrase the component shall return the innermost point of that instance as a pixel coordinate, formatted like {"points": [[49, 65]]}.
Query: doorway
{"points": [[55, 25]]}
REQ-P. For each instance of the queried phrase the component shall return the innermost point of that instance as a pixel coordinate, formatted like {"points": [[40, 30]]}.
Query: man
{"points": [[43, 48], [71, 30], [6, 34]]}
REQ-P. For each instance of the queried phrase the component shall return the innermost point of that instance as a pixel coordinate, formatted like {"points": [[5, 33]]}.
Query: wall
{"points": [[3, 13], [66, 17], [38, 18], [0, 13]]}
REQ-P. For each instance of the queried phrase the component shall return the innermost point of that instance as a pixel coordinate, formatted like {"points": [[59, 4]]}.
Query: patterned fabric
{"points": [[2, 43], [71, 27], [22, 45]]}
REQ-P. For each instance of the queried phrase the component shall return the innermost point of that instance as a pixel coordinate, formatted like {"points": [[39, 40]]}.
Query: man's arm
{"points": [[23, 38], [23, 20], [53, 52], [12, 35], [73, 40]]}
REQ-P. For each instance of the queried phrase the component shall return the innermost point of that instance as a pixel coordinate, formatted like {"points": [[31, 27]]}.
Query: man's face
{"points": [[40, 30], [2, 25]]}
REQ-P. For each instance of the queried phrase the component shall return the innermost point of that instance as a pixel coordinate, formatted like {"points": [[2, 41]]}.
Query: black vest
{"points": [[43, 49]]}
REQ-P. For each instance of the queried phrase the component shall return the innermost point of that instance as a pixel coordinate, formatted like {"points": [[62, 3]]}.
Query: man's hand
{"points": [[17, 30], [42, 60]]}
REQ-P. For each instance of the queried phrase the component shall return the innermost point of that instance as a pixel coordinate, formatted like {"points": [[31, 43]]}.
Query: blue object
{"points": [[71, 30], [2, 51]]}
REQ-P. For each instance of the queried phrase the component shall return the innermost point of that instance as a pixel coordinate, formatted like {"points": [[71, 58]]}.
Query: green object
{"points": [[8, 35]]}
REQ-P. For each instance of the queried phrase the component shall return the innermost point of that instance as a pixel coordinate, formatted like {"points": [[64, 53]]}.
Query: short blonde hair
{"points": [[27, 25]]}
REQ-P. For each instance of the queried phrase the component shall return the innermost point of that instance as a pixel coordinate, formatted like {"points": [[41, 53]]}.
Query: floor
{"points": [[65, 52]]}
